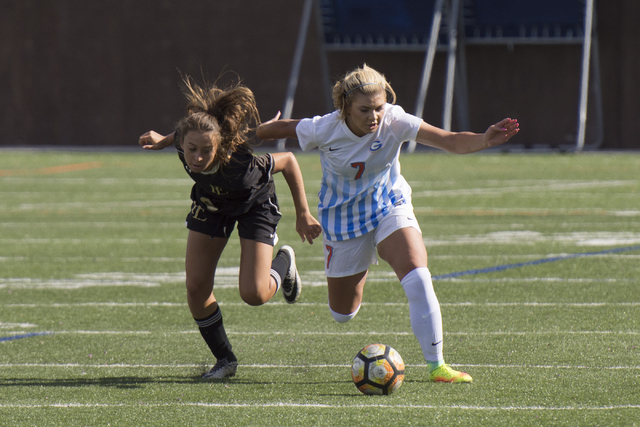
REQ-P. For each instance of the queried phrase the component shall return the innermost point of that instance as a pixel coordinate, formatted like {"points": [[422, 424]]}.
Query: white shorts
{"points": [[348, 257]]}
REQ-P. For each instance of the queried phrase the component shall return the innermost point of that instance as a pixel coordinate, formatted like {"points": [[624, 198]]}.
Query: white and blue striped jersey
{"points": [[361, 178]]}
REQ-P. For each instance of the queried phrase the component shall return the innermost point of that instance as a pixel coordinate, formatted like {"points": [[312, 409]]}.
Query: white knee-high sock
{"points": [[424, 311]]}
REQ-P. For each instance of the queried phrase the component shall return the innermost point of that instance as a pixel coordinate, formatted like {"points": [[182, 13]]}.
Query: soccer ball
{"points": [[377, 369]]}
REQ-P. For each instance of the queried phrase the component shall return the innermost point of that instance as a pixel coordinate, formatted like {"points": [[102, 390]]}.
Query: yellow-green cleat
{"points": [[445, 374]]}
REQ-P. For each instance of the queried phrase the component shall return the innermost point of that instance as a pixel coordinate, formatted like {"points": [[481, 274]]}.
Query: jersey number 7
{"points": [[360, 167]]}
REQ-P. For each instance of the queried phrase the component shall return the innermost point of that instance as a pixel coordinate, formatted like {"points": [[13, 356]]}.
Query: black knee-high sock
{"points": [[279, 266], [212, 330]]}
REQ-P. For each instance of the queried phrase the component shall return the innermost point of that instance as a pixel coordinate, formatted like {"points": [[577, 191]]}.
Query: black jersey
{"points": [[232, 190]]}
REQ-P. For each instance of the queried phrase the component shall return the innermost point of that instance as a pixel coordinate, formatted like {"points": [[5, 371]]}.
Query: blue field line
{"points": [[17, 337], [536, 262]]}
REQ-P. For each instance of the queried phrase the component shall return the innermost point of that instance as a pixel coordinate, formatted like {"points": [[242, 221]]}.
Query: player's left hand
{"points": [[308, 228], [501, 132]]}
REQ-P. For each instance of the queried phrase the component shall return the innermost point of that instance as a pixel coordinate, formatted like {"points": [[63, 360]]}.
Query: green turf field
{"points": [[536, 260]]}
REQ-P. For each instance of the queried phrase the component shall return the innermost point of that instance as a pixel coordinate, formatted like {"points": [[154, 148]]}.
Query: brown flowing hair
{"points": [[228, 113]]}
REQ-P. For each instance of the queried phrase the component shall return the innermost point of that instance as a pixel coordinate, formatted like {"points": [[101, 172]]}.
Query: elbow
{"points": [[285, 162], [288, 158]]}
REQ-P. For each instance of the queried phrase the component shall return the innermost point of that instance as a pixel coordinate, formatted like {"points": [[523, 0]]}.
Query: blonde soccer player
{"points": [[365, 204]]}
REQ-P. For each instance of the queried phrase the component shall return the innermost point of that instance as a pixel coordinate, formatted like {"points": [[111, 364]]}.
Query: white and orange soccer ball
{"points": [[377, 369]]}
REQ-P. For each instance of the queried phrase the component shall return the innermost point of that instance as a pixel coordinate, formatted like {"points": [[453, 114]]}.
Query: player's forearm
{"points": [[453, 142], [288, 165], [296, 185], [277, 129], [467, 142], [169, 140]]}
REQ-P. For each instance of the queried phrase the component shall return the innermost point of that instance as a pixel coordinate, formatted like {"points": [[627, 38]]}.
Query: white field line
{"points": [[478, 210], [102, 207], [599, 225], [231, 282], [320, 304], [519, 237], [100, 224], [180, 224], [77, 240], [500, 182], [227, 277], [187, 182], [324, 333], [321, 406], [92, 259], [99, 206], [527, 237], [506, 259], [546, 186], [314, 366], [313, 184], [17, 325], [537, 280], [129, 182], [148, 259]]}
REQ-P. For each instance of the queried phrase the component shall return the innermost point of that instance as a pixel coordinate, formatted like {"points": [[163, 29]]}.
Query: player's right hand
{"points": [[154, 141]]}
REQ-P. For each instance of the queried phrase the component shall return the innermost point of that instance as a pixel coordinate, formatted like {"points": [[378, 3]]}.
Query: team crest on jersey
{"points": [[375, 145]]}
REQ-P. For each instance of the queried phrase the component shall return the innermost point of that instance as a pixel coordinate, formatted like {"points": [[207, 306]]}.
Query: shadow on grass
{"points": [[135, 382], [123, 382]]}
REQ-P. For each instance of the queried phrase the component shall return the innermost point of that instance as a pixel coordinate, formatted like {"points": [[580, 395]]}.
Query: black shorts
{"points": [[258, 224]]}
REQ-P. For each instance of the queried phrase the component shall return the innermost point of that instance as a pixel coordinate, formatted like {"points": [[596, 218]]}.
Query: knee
{"points": [[198, 290], [253, 297], [253, 300], [343, 318]]}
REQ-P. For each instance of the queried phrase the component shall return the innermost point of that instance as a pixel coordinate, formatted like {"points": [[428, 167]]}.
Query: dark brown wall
{"points": [[89, 72]]}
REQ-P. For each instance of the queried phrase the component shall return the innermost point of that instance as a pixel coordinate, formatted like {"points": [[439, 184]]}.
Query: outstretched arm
{"points": [[154, 141], [467, 142], [306, 225], [277, 129]]}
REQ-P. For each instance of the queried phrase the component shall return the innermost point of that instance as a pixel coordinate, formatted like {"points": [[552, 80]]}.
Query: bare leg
{"points": [[345, 293], [404, 251], [255, 281], [203, 254]]}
